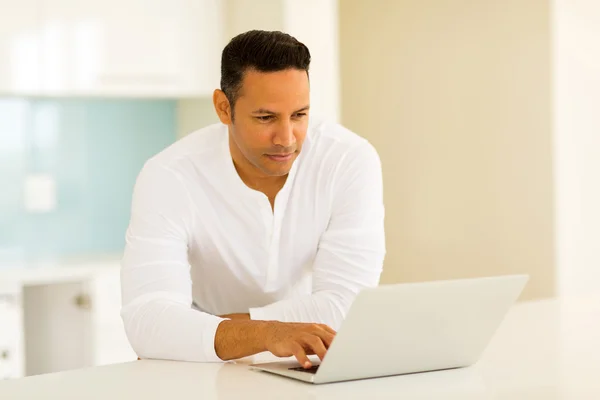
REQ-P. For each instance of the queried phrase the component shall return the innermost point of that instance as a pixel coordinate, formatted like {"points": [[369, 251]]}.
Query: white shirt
{"points": [[201, 243]]}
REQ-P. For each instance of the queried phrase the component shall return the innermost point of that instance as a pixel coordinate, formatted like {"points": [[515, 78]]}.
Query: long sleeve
{"points": [[155, 275], [351, 250]]}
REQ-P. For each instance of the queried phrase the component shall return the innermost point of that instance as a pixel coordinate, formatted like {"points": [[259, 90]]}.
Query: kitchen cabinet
{"points": [[11, 339], [61, 317], [57, 328], [19, 47], [130, 47], [110, 48]]}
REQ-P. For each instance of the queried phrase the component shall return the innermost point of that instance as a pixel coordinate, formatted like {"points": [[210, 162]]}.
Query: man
{"points": [[257, 233]]}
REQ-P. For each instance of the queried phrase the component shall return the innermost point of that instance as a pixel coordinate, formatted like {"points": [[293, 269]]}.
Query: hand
{"points": [[236, 316], [299, 340]]}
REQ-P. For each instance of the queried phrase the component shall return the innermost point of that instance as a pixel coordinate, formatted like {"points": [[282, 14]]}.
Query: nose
{"points": [[284, 136]]}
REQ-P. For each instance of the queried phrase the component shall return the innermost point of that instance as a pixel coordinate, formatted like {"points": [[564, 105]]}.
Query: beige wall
{"points": [[456, 97]]}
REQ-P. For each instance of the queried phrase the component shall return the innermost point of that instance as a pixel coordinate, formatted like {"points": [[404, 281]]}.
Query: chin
{"points": [[278, 171], [276, 168]]}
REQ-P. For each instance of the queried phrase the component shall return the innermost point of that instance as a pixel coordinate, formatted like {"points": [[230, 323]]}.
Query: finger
{"points": [[301, 356], [328, 329], [326, 337], [316, 345]]}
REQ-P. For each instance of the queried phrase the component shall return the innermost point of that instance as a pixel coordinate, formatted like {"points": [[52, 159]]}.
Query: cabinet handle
{"points": [[8, 299], [83, 301]]}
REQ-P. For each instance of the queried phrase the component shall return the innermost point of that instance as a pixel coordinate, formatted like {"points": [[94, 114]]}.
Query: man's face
{"points": [[271, 119]]}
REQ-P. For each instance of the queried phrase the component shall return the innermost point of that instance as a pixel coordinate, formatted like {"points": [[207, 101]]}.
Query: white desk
{"points": [[544, 350]]}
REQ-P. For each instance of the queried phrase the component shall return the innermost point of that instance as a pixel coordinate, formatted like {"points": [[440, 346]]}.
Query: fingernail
{"points": [[307, 365]]}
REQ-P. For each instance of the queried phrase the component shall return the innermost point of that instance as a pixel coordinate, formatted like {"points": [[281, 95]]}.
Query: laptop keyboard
{"points": [[310, 370]]}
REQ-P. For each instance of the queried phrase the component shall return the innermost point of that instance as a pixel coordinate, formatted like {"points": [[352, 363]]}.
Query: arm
{"points": [[351, 251], [236, 316], [157, 295], [241, 338], [155, 278]]}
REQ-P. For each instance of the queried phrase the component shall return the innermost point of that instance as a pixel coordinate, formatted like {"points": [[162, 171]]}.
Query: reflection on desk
{"points": [[464, 383]]}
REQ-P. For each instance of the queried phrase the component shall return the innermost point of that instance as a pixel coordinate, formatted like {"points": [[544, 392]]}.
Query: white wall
{"points": [[576, 45], [244, 15], [193, 114], [315, 23]]}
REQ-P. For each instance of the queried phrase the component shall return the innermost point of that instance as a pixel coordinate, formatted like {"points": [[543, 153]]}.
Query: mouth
{"points": [[281, 157]]}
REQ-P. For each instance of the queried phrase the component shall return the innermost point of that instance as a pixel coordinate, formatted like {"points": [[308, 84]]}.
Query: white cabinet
{"points": [[11, 339], [19, 47], [130, 47], [60, 318], [58, 334], [110, 48], [75, 324]]}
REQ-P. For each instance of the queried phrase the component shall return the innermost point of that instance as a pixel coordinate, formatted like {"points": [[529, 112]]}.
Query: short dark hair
{"points": [[264, 51]]}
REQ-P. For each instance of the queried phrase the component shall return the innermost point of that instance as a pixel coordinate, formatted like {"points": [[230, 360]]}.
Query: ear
{"points": [[222, 106]]}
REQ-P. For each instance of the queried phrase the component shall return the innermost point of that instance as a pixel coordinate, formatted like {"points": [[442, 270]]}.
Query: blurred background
{"points": [[486, 115]]}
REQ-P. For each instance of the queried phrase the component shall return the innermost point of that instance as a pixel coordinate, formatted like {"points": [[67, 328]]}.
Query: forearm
{"points": [[165, 329], [239, 338], [326, 307], [236, 316]]}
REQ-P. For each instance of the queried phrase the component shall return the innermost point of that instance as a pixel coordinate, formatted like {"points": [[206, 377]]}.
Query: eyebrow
{"points": [[265, 111]]}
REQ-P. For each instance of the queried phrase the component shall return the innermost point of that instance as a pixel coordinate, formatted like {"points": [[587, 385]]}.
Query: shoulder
{"points": [[192, 151], [335, 145]]}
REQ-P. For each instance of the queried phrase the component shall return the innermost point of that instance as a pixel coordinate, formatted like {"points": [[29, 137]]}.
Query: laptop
{"points": [[413, 327]]}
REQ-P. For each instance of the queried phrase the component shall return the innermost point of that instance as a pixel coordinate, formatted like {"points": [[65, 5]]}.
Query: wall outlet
{"points": [[39, 193]]}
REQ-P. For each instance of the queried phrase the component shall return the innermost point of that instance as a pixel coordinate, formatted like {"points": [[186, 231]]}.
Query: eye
{"points": [[264, 118], [299, 115]]}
